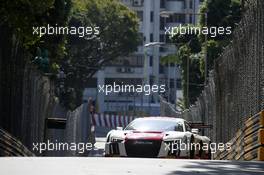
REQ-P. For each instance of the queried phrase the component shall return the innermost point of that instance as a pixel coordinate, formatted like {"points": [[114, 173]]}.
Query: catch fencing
{"points": [[167, 109], [37, 104], [235, 88]]}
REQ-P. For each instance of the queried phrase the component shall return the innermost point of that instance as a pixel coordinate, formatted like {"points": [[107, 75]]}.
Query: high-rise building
{"points": [[143, 66]]}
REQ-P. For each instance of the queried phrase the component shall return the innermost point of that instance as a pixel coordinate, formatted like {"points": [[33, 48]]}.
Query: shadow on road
{"points": [[220, 167]]}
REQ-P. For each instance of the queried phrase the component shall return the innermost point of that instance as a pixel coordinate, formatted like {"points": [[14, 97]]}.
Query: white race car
{"points": [[157, 137]]}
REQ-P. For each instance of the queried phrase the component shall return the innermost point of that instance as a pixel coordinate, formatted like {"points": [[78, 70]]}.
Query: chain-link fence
{"points": [[37, 105], [167, 109], [239, 75], [235, 90]]}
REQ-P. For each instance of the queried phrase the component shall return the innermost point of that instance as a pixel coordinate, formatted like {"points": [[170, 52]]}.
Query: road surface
{"points": [[125, 166], [99, 147]]}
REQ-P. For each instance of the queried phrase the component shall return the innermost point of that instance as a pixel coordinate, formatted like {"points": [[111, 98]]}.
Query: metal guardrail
{"points": [[248, 143], [10, 146]]}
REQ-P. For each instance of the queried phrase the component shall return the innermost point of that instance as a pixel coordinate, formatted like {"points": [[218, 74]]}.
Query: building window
{"points": [[190, 19], [162, 3], [139, 60], [151, 61], [171, 83], [191, 4], [162, 37], [138, 3], [168, 39], [140, 15], [162, 23], [141, 37], [151, 16], [179, 84], [151, 80], [183, 3], [161, 69], [162, 49], [151, 37]]}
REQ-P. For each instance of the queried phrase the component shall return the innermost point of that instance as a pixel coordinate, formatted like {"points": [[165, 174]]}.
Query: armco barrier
{"points": [[248, 142], [10, 146]]}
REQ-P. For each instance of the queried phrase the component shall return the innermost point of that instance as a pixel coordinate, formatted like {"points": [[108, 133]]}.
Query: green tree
{"points": [[18, 47], [118, 37], [21, 15], [220, 13], [193, 48]]}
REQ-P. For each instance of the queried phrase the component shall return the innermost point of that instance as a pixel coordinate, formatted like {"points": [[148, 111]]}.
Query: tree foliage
{"points": [[118, 34], [72, 54], [118, 37], [220, 13], [22, 15]]}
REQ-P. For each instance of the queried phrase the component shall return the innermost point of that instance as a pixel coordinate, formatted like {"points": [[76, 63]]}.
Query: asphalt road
{"points": [[99, 147], [124, 166]]}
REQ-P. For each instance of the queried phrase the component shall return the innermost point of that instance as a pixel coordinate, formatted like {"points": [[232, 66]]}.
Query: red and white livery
{"points": [[157, 137]]}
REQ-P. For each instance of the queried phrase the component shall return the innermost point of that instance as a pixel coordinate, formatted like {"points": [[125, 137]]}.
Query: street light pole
{"points": [[166, 14], [146, 78], [146, 69]]}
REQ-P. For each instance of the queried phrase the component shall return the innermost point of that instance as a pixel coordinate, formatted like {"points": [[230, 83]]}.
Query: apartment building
{"points": [[143, 66]]}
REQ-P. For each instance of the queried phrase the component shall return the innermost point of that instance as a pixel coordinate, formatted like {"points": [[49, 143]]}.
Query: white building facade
{"points": [[143, 66]]}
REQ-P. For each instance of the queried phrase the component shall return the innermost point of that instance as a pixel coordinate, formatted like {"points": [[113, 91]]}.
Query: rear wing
{"points": [[201, 125]]}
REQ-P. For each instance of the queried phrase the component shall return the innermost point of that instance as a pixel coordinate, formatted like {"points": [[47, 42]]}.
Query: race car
{"points": [[157, 137]]}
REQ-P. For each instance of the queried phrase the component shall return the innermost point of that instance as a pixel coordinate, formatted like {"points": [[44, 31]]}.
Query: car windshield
{"points": [[155, 125]]}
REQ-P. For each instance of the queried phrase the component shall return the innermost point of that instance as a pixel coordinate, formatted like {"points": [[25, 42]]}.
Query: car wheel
{"points": [[201, 152], [192, 151], [209, 152]]}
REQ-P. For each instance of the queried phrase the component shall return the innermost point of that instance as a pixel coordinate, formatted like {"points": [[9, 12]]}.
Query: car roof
{"points": [[162, 118]]}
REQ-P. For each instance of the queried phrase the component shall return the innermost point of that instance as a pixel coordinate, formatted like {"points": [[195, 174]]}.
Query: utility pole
{"points": [[205, 56], [175, 84], [168, 82], [187, 81]]}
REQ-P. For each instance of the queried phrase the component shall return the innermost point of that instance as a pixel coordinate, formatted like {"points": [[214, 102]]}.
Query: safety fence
{"points": [[167, 109], [248, 143], [37, 104], [111, 121], [10, 146], [235, 88]]}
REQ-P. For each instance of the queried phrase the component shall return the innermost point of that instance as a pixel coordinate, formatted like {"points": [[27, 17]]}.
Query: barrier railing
{"points": [[248, 143], [10, 146]]}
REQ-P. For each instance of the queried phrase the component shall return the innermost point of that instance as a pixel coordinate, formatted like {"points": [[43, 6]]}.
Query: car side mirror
{"points": [[119, 128], [195, 130]]}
